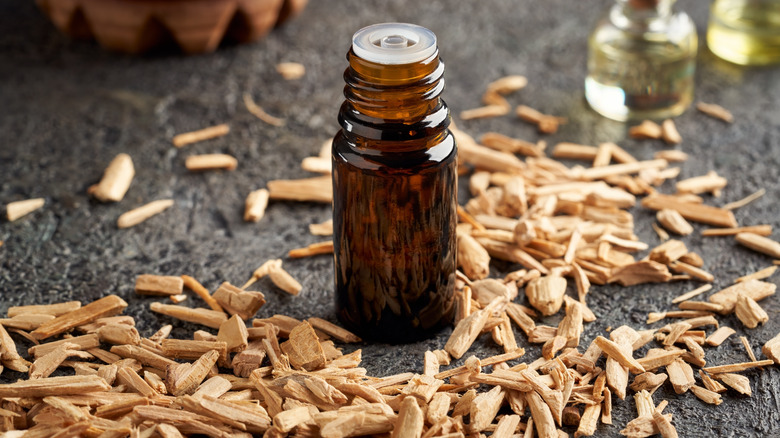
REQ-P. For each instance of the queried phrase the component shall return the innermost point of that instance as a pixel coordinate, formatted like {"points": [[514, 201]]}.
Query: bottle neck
{"points": [[393, 107], [642, 15]]}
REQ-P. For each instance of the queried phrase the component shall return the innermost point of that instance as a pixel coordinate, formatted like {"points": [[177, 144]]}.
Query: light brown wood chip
{"points": [[736, 382], [160, 285], [546, 124], [141, 214], [303, 348], [546, 293], [772, 349], [506, 426], [737, 367], [758, 275], [589, 421], [745, 201], [669, 132], [283, 280], [694, 212], [106, 306], [761, 230], [291, 70], [116, 180], [312, 250], [507, 84], [749, 312], [472, 257], [234, 334], [665, 427], [542, 416], [575, 151], [201, 291], [484, 112], [239, 302], [680, 375], [200, 135], [260, 113], [56, 309], [759, 243], [595, 173], [255, 205], [716, 111], [718, 336], [17, 209], [334, 331], [317, 189], [467, 330], [198, 163], [755, 289], [410, 421], [711, 182], [65, 385], [614, 351], [673, 221], [209, 318], [646, 129]]}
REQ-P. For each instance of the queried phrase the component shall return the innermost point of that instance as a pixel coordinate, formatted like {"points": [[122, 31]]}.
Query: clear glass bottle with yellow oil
{"points": [[745, 32], [641, 61], [394, 188]]}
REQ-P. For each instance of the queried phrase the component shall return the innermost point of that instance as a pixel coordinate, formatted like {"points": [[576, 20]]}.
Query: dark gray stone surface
{"points": [[67, 108]]}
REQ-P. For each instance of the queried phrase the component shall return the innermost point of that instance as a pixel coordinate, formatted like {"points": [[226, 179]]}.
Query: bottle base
{"points": [[609, 101], [393, 334]]}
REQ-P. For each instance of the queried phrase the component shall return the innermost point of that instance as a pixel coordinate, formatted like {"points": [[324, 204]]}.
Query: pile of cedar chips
{"points": [[279, 376]]}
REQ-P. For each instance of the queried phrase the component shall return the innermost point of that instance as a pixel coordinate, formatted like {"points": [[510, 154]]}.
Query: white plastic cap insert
{"points": [[394, 43]]}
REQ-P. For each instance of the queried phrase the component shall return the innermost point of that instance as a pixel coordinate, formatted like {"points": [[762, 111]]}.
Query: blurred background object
{"points": [[195, 26], [745, 32], [641, 61]]}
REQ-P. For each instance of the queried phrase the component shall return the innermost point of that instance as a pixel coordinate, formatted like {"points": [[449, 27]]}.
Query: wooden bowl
{"points": [[196, 26]]}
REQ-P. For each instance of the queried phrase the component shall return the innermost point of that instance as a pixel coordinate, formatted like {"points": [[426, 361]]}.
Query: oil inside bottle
{"points": [[641, 62], [394, 179], [745, 32]]}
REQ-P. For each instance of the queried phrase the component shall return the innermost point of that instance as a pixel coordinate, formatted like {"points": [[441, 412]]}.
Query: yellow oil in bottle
{"points": [[641, 61], [745, 32]]}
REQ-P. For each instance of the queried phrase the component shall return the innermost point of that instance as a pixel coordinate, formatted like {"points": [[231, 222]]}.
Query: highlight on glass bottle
{"points": [[745, 32], [641, 61], [394, 188]]}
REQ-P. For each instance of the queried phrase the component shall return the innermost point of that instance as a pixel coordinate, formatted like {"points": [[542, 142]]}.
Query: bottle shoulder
{"points": [[677, 28], [437, 151]]}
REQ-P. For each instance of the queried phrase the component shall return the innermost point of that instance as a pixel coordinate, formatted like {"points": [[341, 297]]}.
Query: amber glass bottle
{"points": [[394, 188]]}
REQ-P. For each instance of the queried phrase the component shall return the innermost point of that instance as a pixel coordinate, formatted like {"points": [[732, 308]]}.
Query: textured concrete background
{"points": [[67, 108]]}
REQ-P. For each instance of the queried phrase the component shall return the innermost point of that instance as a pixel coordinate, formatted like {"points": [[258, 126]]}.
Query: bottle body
{"points": [[394, 208], [641, 61], [745, 32]]}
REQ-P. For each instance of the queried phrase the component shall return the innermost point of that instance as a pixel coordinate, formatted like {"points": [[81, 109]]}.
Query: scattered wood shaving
{"points": [[694, 293], [646, 129], [484, 112], [312, 250], [318, 189], [17, 209], [116, 180], [141, 214], [745, 201], [290, 70], [258, 112], [198, 163], [758, 243], [200, 135], [255, 205], [545, 123], [715, 111], [669, 132]]}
